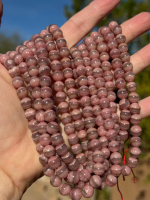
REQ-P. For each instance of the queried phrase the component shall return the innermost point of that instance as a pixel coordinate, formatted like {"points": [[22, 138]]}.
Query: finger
{"points": [[141, 59], [82, 22], [136, 26], [145, 107], [5, 75], [1, 10]]}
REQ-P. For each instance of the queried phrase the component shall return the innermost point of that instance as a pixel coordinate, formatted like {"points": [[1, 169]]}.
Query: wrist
{"points": [[8, 191]]}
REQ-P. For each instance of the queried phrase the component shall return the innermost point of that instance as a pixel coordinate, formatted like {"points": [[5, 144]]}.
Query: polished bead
{"points": [[136, 131], [125, 115], [79, 125], [135, 119], [111, 180], [87, 191], [98, 156], [73, 104], [85, 101], [87, 111], [135, 141], [37, 104], [94, 144], [102, 92], [122, 93], [132, 162], [58, 76], [98, 169], [116, 170], [104, 103], [14, 71], [69, 128], [111, 134], [47, 103], [81, 158], [92, 133], [116, 63], [54, 162], [39, 148], [131, 86], [48, 172], [116, 158], [95, 181], [67, 158], [64, 189], [56, 139], [103, 141], [83, 91], [60, 96], [96, 110], [61, 149], [113, 146], [120, 83], [76, 148], [89, 122], [124, 125], [74, 165], [118, 73], [63, 107], [85, 145], [120, 38], [97, 72], [109, 124], [135, 152], [108, 76], [102, 131], [99, 82], [26, 103], [49, 151], [17, 82], [75, 194], [52, 127], [129, 76], [113, 107], [106, 152], [124, 104], [49, 115], [43, 160], [112, 43], [55, 181], [62, 172], [123, 135], [36, 136], [94, 100], [126, 170]]}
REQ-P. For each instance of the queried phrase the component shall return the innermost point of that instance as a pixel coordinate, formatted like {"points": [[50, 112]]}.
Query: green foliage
{"points": [[9, 43], [104, 194]]}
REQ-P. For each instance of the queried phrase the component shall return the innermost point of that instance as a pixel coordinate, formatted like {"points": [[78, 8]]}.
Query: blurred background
{"points": [[21, 19]]}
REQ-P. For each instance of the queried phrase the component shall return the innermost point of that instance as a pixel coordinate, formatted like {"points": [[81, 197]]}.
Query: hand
{"points": [[19, 163]]}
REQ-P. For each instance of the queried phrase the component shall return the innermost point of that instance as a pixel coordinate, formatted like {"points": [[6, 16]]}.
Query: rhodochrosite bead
{"points": [[72, 95]]}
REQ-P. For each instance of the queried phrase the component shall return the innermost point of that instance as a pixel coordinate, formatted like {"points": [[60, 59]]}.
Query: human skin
{"points": [[19, 163]]}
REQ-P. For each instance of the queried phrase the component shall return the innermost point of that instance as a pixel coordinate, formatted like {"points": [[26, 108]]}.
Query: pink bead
{"points": [[75, 194], [84, 175], [87, 191], [62, 172], [111, 180], [55, 181], [64, 189], [54, 162]]}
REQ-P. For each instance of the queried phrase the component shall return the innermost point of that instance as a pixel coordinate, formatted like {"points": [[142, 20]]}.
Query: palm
{"points": [[17, 150]]}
